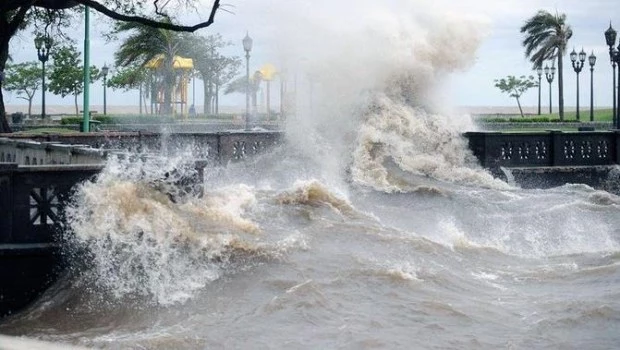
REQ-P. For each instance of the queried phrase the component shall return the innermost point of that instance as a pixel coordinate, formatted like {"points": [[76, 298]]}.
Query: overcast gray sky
{"points": [[493, 28]]}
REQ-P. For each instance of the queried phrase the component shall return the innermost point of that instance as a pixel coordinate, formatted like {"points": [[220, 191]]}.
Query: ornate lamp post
{"points": [[592, 61], [539, 71], [43, 45], [577, 66], [614, 56], [549, 77], [247, 47], [104, 70]]}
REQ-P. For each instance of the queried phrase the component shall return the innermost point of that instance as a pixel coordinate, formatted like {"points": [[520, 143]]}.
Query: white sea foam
{"points": [[143, 243]]}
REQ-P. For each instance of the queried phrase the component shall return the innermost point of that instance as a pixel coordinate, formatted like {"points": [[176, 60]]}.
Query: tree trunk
{"points": [[168, 86], [560, 86], [217, 99], [519, 104], [269, 100], [76, 105], [30, 106], [4, 55], [254, 103], [208, 96], [4, 123], [153, 93]]}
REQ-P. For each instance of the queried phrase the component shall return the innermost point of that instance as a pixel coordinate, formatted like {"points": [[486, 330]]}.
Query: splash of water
{"points": [[418, 143], [378, 81], [144, 244]]}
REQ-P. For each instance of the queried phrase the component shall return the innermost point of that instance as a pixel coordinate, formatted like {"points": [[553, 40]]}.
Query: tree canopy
{"points": [[515, 87], [545, 38], [212, 67], [144, 44], [24, 79], [16, 15], [66, 76]]}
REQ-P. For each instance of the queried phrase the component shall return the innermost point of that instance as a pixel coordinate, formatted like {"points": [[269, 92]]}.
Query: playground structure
{"points": [[182, 68]]}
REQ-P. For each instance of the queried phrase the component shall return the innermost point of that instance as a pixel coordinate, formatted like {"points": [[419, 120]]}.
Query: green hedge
{"points": [[120, 119], [529, 120], [157, 119]]}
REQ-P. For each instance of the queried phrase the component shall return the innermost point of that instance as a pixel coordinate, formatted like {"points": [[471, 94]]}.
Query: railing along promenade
{"points": [[548, 158], [37, 178]]}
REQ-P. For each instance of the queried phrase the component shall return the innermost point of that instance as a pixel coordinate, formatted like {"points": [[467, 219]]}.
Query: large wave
{"points": [[141, 242], [370, 87]]}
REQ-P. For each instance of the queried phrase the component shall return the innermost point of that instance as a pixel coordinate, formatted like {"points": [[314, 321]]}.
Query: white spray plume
{"points": [[341, 57]]}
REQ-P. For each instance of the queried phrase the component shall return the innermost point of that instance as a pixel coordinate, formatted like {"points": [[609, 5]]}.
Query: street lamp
{"points": [[592, 61], [614, 56], [104, 70], [43, 45], [247, 47], [577, 66], [539, 71], [549, 77]]}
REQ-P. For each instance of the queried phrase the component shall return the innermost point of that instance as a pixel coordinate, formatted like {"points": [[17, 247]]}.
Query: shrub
{"points": [[70, 120]]}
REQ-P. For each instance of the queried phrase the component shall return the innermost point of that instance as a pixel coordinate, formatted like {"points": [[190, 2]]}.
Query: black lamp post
{"points": [[592, 61], [614, 56], [104, 70], [613, 90], [43, 45], [247, 47], [539, 71], [577, 66], [549, 77]]}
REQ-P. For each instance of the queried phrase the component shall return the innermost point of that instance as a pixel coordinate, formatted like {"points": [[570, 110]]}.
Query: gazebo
{"points": [[181, 81]]}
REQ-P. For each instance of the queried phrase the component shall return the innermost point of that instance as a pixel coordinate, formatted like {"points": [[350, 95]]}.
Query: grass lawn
{"points": [[530, 130], [46, 131], [600, 115]]}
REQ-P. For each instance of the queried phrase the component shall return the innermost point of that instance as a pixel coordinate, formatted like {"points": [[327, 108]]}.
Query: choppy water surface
{"points": [[371, 227], [278, 255]]}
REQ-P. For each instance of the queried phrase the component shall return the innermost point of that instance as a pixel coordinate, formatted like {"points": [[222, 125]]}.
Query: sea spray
{"points": [[144, 244], [418, 143], [370, 74]]}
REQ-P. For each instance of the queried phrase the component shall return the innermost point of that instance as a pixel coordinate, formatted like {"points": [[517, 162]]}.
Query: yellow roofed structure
{"points": [[268, 71], [180, 84], [178, 62]]}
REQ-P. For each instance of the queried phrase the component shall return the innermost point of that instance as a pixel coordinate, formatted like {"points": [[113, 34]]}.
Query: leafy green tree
{"points": [[226, 68], [239, 85], [515, 87], [130, 78], [24, 79], [215, 70], [545, 38], [16, 15], [145, 44], [67, 73]]}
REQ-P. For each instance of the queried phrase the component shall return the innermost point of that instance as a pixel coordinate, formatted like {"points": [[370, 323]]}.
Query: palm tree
{"points": [[546, 36], [146, 43]]}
